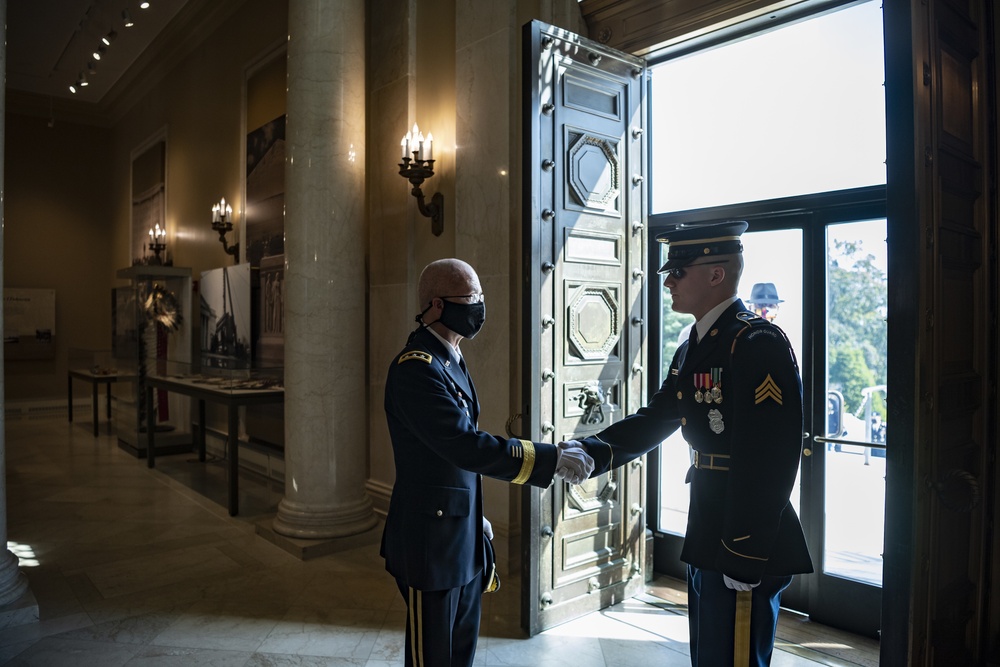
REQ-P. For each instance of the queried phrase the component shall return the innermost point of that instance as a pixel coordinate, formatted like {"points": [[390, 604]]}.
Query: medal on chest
{"points": [[708, 386]]}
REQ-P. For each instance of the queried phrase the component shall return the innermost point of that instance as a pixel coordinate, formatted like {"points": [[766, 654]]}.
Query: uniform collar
{"points": [[454, 352], [706, 322]]}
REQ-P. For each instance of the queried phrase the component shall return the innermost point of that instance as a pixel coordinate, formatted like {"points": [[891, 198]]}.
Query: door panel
{"points": [[583, 316]]}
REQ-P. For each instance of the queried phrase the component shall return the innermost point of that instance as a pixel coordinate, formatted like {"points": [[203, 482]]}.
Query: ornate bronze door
{"points": [[584, 321]]}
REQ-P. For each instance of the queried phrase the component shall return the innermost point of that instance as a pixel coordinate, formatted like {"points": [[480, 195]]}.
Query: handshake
{"points": [[573, 463]]}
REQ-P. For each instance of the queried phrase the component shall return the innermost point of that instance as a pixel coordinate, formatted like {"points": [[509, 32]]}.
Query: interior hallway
{"points": [[132, 566]]}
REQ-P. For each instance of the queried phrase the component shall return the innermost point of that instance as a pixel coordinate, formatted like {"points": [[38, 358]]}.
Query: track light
{"points": [[127, 18], [110, 37], [72, 88], [101, 50], [91, 67], [143, 5], [82, 80]]}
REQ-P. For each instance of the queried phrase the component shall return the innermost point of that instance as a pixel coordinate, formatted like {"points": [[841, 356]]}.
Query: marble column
{"points": [[326, 441], [13, 583]]}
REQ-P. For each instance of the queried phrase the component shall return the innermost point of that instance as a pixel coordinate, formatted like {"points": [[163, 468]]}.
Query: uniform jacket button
{"points": [[440, 513], [684, 421], [680, 395]]}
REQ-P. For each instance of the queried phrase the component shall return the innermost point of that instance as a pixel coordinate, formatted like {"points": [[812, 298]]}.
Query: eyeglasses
{"points": [[478, 297], [679, 273]]}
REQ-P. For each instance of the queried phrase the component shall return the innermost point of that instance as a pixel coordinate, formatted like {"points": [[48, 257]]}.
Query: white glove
{"points": [[573, 464], [738, 585], [487, 528]]}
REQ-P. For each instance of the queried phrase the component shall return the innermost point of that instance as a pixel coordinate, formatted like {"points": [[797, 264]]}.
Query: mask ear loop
{"points": [[419, 319]]}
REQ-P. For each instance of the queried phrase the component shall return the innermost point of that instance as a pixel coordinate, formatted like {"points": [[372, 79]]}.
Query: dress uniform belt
{"points": [[704, 461]]}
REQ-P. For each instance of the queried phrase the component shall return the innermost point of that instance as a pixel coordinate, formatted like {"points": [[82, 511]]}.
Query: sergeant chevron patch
{"points": [[768, 389]]}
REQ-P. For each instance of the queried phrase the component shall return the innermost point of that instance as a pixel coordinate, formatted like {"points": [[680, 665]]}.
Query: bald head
{"points": [[446, 277]]}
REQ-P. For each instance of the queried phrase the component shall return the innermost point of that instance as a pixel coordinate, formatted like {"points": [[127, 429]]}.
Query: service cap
{"points": [[689, 242]]}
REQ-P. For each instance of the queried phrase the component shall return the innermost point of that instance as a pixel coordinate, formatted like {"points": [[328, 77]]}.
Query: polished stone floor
{"points": [[131, 566]]}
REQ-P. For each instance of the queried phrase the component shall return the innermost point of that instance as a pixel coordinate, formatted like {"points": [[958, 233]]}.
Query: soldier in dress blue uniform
{"points": [[734, 391], [433, 543]]}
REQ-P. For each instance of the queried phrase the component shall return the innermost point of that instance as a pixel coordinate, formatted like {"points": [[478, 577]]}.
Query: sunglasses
{"points": [[679, 273]]}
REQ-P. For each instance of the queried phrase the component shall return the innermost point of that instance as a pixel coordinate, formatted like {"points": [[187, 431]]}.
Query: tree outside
{"points": [[856, 329]]}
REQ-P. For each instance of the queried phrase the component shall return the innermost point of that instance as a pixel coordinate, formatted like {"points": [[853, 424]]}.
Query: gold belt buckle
{"points": [[709, 461]]}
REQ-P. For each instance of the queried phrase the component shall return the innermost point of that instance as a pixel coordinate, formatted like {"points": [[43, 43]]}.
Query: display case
{"points": [[227, 387], [151, 324]]}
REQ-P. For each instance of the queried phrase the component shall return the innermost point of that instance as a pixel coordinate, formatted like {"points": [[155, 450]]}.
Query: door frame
{"points": [[812, 214]]}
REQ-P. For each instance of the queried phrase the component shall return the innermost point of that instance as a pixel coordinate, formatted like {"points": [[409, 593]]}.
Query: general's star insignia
{"points": [[415, 354], [768, 389]]}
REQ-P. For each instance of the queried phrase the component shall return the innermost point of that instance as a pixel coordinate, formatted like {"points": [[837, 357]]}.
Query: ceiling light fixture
{"points": [[101, 50], [143, 5], [110, 37], [91, 67], [72, 88], [82, 80], [127, 18]]}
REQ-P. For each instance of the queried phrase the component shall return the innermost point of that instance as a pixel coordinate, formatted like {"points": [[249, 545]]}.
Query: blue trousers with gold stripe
{"points": [[442, 627], [712, 616]]}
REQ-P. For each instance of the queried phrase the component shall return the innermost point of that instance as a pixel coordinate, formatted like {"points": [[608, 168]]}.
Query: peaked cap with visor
{"points": [[689, 242]]}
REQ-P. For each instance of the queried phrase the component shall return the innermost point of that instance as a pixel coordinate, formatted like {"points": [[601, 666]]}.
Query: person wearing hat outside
{"points": [[764, 300], [433, 542], [737, 371]]}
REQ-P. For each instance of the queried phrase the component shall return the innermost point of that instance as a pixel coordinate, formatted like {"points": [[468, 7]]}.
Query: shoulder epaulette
{"points": [[416, 354], [751, 319], [757, 325]]}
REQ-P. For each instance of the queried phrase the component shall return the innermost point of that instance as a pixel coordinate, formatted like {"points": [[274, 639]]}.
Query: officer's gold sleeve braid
{"points": [[527, 463]]}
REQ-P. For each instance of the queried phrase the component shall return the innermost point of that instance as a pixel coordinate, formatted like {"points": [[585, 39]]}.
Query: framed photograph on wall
{"points": [[265, 202], [225, 317], [148, 193], [265, 96]]}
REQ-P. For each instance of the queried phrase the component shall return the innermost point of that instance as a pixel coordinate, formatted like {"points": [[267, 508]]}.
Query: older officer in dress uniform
{"points": [[433, 543], [735, 373]]}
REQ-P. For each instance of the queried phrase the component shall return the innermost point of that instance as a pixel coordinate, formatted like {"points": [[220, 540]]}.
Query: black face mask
{"points": [[465, 319]]}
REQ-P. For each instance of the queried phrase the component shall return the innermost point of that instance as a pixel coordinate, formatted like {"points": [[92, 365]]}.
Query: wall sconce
{"points": [[222, 222], [419, 168], [157, 242]]}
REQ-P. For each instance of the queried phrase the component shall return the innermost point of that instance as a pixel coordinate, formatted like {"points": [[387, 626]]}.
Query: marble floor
{"points": [[131, 566]]}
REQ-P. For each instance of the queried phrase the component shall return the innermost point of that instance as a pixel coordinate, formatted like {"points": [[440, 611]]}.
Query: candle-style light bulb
{"points": [[420, 146], [402, 145], [429, 147]]}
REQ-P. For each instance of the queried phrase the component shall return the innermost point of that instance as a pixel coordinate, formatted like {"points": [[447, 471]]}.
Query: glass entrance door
{"points": [[821, 275], [848, 449]]}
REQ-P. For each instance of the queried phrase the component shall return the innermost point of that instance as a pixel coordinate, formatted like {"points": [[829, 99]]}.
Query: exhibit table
{"points": [[225, 391], [94, 379]]}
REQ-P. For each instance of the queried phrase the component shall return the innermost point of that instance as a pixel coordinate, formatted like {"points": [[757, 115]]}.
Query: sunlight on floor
{"points": [[25, 555]]}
